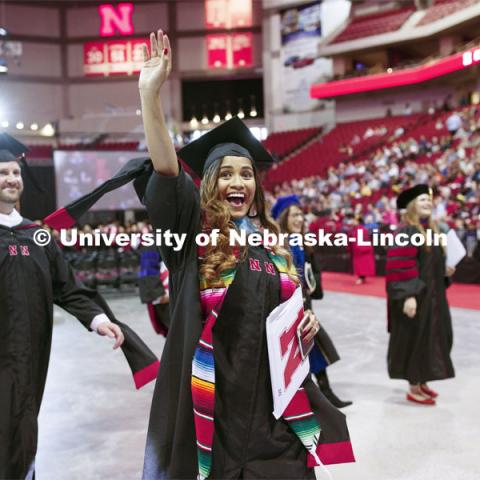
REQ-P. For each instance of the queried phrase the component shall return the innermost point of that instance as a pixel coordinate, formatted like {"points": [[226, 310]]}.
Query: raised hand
{"points": [[157, 64]]}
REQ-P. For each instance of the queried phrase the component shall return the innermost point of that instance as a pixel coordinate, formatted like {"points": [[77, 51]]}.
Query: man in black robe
{"points": [[32, 279]]}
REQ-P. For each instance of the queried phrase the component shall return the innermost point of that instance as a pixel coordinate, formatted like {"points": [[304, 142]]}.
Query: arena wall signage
{"points": [[116, 19], [228, 13], [408, 76], [114, 57], [230, 50], [301, 34]]}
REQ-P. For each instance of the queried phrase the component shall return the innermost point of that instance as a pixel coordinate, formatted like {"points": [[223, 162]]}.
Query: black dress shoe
{"points": [[325, 388]]}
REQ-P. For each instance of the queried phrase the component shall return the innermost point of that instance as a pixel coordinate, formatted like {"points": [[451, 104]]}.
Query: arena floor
{"points": [[93, 422]]}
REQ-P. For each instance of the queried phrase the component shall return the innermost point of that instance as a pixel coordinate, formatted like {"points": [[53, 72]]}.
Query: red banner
{"points": [[216, 13], [228, 13], [115, 57], [217, 49], [242, 49], [240, 13]]}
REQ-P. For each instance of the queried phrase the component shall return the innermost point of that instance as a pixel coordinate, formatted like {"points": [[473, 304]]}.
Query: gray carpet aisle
{"points": [[93, 421]]}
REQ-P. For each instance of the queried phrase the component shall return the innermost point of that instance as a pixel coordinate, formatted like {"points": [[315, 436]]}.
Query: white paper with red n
{"points": [[287, 370]]}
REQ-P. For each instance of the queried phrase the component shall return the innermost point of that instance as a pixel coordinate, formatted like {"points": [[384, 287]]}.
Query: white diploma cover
{"points": [[455, 249], [287, 369]]}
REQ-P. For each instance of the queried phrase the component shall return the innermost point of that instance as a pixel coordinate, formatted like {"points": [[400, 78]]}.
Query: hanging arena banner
{"points": [[301, 67]]}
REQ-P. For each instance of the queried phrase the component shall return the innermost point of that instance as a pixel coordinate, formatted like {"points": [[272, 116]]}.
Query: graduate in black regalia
{"points": [[211, 414], [212, 417], [419, 319], [32, 279]]}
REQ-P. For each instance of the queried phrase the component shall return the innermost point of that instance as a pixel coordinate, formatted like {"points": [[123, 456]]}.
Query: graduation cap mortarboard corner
{"points": [[410, 194], [11, 150], [232, 137], [283, 203]]}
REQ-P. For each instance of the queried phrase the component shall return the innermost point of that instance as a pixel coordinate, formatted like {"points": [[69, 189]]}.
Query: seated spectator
{"points": [[454, 123], [368, 133]]}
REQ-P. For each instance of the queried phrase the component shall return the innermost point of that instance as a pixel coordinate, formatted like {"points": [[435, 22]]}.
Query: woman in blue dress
{"points": [[290, 217]]}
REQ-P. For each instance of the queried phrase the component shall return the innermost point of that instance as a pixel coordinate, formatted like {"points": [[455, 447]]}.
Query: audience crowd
{"points": [[362, 190]]}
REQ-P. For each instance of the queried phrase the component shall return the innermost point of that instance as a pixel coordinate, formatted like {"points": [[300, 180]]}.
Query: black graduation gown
{"points": [[173, 204], [249, 442], [32, 279], [419, 347]]}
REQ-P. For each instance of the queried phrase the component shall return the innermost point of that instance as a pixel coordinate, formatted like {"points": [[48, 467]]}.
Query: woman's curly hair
{"points": [[216, 215]]}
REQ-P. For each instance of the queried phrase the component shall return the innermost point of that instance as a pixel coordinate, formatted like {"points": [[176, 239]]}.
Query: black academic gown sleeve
{"points": [[85, 304], [173, 203], [68, 292]]}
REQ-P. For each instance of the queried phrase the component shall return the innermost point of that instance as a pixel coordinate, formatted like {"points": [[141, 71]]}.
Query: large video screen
{"points": [[79, 172]]}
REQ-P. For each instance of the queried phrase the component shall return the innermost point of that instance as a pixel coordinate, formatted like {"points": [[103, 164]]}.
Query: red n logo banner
{"points": [[116, 19]]}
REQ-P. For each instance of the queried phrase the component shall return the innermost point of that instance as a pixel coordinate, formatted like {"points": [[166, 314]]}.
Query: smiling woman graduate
{"points": [[211, 414], [212, 409], [419, 320]]}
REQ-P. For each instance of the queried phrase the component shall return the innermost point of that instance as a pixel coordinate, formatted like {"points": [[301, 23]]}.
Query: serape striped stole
{"points": [[298, 414]]}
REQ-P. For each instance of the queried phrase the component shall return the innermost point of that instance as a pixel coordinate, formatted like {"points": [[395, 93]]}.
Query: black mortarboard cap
{"points": [[12, 150], [231, 138], [410, 194]]}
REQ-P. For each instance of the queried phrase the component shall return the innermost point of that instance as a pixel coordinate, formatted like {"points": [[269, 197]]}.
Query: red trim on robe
{"points": [[402, 252], [331, 453], [402, 276], [26, 227], [401, 263], [146, 375], [60, 219]]}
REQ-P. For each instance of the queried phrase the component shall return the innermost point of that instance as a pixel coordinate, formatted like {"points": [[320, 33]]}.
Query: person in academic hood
{"points": [[289, 215], [153, 288], [419, 320], [212, 417], [32, 279]]}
